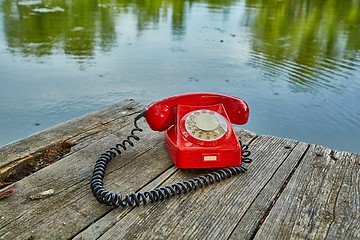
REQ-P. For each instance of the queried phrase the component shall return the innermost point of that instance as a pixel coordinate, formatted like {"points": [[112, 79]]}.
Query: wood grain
{"points": [[77, 131], [209, 213], [292, 190], [321, 201], [252, 220]]}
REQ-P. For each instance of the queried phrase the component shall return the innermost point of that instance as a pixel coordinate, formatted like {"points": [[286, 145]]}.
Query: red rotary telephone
{"points": [[198, 128], [199, 135]]}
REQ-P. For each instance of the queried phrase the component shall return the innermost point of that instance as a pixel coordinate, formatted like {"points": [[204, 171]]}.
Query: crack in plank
{"points": [[34, 162], [267, 212]]}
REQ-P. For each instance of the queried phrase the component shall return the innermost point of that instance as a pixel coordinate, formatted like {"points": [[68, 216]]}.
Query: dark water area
{"points": [[296, 63]]}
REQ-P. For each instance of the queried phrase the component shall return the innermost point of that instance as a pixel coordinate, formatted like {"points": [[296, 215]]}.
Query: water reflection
{"points": [[79, 27], [312, 41], [306, 51], [75, 27]]}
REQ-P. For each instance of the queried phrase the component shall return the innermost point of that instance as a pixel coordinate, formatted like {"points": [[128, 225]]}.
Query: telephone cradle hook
{"points": [[157, 194]]}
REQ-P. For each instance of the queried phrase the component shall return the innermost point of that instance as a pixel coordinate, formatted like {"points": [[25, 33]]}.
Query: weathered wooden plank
{"points": [[209, 213], [22, 158], [309, 192], [321, 200], [109, 220], [76, 132], [259, 208], [73, 207]]}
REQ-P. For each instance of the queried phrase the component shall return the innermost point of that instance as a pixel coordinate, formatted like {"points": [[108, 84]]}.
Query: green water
{"points": [[296, 63]]}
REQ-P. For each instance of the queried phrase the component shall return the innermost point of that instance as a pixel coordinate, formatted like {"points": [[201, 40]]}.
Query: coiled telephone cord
{"points": [[157, 194]]}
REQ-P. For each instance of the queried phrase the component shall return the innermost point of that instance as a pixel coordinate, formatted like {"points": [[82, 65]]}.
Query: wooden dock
{"points": [[292, 189]]}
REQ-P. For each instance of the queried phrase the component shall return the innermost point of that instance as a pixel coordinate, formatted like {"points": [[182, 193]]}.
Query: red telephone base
{"points": [[187, 154]]}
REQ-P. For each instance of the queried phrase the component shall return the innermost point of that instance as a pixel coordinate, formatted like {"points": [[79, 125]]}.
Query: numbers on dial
{"points": [[206, 125]]}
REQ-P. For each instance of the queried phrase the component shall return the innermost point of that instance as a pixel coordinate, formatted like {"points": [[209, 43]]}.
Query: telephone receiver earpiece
{"points": [[161, 115]]}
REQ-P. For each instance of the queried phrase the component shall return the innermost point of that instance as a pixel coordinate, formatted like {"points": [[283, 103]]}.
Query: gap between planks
{"points": [[261, 221]]}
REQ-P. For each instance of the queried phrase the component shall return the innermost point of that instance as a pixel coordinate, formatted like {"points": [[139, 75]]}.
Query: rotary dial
{"points": [[206, 125]]}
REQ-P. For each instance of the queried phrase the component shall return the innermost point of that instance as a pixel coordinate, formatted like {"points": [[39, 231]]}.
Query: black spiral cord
{"points": [[157, 194]]}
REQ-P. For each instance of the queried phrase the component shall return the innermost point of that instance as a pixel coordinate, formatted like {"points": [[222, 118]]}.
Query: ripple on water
{"points": [[321, 74]]}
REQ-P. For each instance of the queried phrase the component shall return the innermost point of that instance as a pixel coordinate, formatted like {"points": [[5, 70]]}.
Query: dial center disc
{"points": [[206, 122]]}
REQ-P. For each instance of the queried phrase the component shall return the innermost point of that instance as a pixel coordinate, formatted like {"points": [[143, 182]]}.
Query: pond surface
{"points": [[296, 63]]}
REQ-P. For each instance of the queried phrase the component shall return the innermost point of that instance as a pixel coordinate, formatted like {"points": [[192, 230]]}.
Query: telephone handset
{"points": [[199, 134], [198, 128]]}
